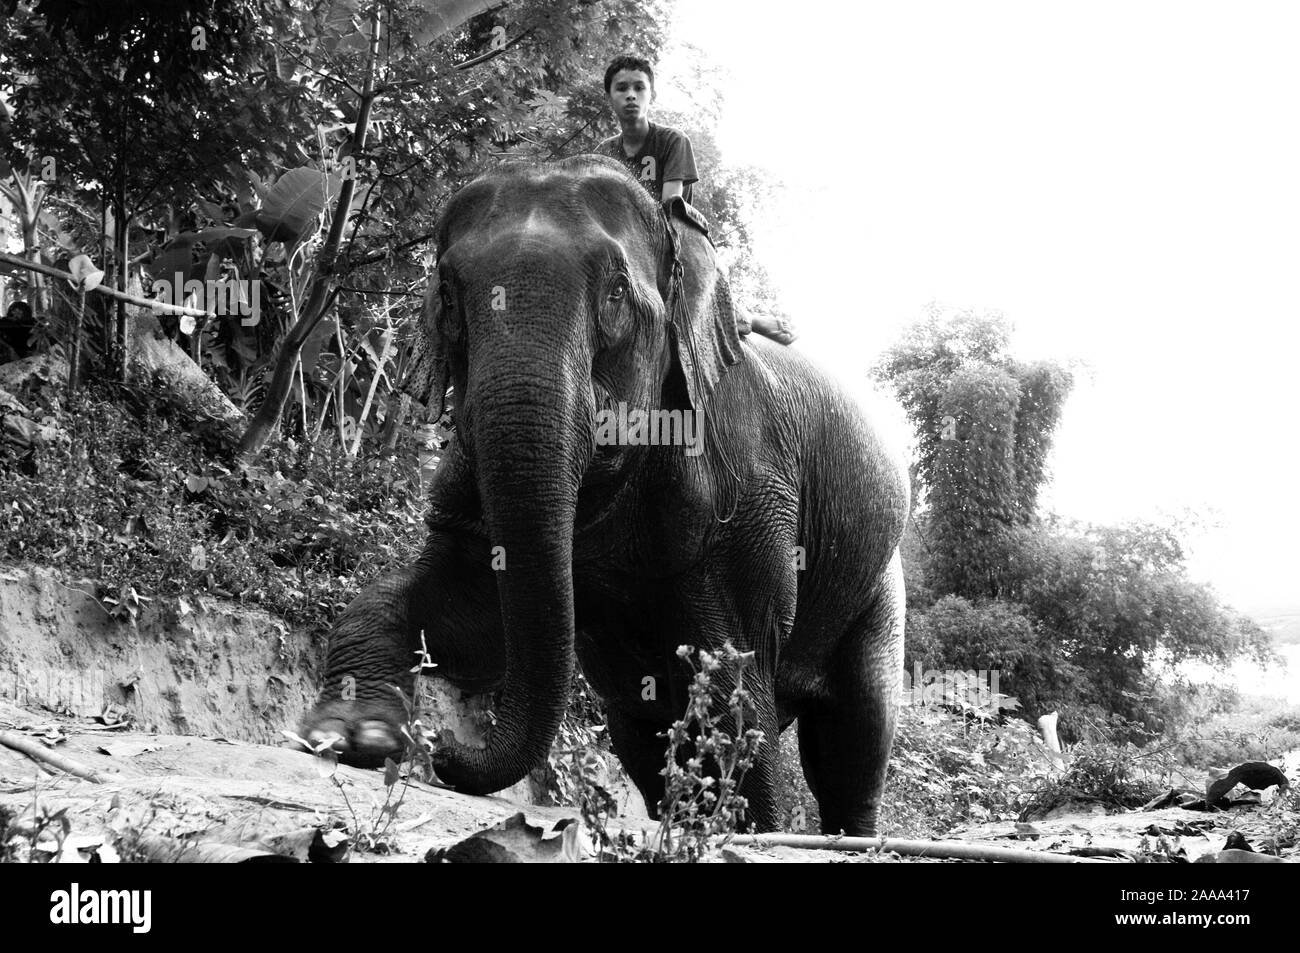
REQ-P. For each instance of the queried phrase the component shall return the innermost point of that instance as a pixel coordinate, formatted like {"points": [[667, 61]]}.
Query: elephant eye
{"points": [[618, 290], [444, 294]]}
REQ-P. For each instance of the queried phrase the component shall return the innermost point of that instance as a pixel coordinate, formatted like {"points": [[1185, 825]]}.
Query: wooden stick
{"points": [[38, 752], [17, 262], [1047, 725], [914, 848]]}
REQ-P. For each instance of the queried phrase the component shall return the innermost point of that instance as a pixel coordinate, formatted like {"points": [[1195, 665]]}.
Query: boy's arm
{"points": [[678, 166]]}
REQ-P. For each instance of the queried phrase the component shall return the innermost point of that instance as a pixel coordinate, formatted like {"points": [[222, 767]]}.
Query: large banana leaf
{"points": [[178, 254], [437, 18], [291, 207]]}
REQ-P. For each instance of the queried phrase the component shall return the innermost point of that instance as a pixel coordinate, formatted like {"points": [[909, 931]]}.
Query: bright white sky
{"points": [[1121, 180]]}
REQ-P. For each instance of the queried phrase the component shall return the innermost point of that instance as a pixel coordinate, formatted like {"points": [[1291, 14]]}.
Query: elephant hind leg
{"points": [[844, 742], [641, 750]]}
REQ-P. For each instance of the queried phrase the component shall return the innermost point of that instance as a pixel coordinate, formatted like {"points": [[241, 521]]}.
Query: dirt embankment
{"points": [[179, 716], [198, 666]]}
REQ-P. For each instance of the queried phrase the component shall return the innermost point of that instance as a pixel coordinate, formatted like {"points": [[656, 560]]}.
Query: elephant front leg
{"points": [[450, 596]]}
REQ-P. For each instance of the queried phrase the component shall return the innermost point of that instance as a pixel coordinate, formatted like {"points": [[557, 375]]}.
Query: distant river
{"points": [[1275, 681]]}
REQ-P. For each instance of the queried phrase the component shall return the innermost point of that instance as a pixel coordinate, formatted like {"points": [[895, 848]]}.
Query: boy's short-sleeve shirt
{"points": [[665, 155]]}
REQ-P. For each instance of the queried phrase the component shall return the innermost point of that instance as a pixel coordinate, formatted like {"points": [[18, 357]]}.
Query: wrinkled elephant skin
{"points": [[768, 512]]}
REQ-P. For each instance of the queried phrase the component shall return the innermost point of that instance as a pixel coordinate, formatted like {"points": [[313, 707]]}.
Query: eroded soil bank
{"points": [[180, 715], [199, 666]]}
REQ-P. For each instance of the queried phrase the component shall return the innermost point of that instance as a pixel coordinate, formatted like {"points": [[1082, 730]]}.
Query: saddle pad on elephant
{"points": [[679, 210]]}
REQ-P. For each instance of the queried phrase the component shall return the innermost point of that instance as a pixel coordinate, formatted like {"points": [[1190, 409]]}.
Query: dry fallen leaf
{"points": [[515, 841]]}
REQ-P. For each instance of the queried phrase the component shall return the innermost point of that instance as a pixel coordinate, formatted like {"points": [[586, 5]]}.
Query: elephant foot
{"points": [[362, 733]]}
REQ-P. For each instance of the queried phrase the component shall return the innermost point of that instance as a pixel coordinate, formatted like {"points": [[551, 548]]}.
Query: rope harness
{"points": [[675, 304]]}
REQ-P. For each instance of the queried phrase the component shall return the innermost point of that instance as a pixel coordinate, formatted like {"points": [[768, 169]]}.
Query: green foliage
{"points": [[1072, 616], [1113, 600], [1088, 621], [984, 425], [1108, 769], [705, 764], [6, 848], [252, 125], [1210, 726], [796, 805], [704, 767], [135, 499], [994, 635], [124, 93], [577, 770], [949, 769], [38, 839]]}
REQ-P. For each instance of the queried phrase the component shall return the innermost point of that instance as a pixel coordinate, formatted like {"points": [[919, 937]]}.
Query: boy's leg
{"points": [[743, 323]]}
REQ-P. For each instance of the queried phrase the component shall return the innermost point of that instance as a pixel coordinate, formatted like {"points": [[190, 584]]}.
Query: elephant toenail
{"points": [[333, 738], [373, 735]]}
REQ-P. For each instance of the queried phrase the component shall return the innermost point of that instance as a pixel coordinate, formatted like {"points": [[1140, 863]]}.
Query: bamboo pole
{"points": [[38, 752], [17, 262], [951, 850]]}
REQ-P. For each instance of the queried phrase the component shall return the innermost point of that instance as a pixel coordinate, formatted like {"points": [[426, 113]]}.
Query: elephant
{"points": [[564, 293]]}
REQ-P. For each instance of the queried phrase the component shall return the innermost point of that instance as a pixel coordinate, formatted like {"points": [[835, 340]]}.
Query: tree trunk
{"points": [[440, 17], [399, 405], [318, 298], [74, 352], [119, 265], [153, 353]]}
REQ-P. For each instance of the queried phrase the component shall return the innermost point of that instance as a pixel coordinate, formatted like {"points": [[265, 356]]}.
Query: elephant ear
{"points": [[703, 318], [429, 372]]}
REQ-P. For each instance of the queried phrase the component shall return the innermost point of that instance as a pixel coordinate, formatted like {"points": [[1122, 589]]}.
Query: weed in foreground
{"points": [[704, 767]]}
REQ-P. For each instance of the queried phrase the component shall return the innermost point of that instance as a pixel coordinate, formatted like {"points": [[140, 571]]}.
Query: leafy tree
{"points": [[1117, 601], [994, 635], [442, 112], [984, 424], [1077, 618], [263, 150], [138, 103]]}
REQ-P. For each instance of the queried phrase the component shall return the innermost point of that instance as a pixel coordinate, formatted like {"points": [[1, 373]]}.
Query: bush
{"points": [[1108, 770], [143, 500], [993, 635], [948, 769], [1225, 729]]}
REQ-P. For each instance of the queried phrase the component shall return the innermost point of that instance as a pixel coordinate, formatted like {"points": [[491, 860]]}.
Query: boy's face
{"points": [[630, 93]]}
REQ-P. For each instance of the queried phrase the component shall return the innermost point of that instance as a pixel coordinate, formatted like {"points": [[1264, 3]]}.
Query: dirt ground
{"points": [[213, 790], [233, 792], [180, 715]]}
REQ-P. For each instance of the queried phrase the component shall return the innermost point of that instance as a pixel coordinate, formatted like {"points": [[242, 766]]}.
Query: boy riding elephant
{"points": [[661, 159]]}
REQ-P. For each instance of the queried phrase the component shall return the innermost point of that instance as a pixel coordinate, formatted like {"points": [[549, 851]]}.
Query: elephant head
{"points": [[556, 295]]}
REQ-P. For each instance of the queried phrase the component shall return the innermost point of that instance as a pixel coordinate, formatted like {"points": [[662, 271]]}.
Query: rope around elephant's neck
{"points": [[675, 306]]}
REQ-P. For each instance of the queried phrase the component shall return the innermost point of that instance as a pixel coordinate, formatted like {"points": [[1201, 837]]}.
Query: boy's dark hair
{"points": [[628, 62], [19, 311]]}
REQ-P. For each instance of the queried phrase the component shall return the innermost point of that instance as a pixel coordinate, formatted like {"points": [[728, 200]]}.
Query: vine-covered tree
{"points": [[1076, 618], [984, 424]]}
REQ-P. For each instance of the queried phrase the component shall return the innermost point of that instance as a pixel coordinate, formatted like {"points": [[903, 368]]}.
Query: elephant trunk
{"points": [[530, 455]]}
